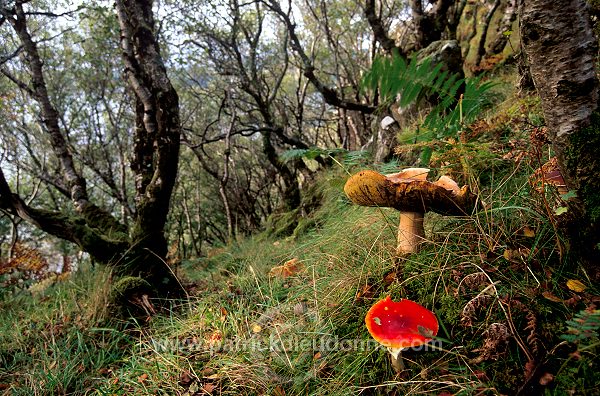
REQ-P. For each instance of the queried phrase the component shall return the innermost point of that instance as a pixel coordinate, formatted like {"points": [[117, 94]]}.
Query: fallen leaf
{"points": [[546, 379], [223, 312], [530, 367], [550, 296], [256, 328], [209, 388], [142, 378], [576, 285], [390, 278], [560, 210], [185, 379], [366, 293], [528, 232], [104, 371], [214, 338], [289, 268], [278, 391], [317, 356], [509, 255]]}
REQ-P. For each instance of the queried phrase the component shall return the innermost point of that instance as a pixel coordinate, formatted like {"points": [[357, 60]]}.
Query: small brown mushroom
{"points": [[412, 194]]}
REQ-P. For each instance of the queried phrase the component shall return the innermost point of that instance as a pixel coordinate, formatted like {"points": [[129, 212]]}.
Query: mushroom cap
{"points": [[402, 324], [409, 191]]}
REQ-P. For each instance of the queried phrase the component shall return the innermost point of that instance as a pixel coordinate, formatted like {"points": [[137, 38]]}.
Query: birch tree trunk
{"points": [[138, 250], [558, 39]]}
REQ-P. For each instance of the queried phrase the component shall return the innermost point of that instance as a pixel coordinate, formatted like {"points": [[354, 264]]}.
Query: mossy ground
{"points": [[494, 279]]}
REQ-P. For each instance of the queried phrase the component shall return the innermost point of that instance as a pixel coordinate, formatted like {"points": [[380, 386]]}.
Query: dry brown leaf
{"points": [[546, 378], [390, 278], [530, 367], [185, 379], [365, 293], [214, 337], [278, 391], [289, 268], [550, 296], [209, 388]]}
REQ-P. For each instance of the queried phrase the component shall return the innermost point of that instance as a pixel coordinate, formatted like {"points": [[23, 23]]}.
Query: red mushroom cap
{"points": [[401, 324]]}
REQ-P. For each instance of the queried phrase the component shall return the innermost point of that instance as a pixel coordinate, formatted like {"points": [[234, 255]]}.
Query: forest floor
{"points": [[282, 313]]}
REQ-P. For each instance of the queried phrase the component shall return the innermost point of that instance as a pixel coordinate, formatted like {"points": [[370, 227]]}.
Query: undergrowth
{"points": [[284, 315]]}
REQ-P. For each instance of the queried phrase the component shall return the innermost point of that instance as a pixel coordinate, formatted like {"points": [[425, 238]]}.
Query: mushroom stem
{"points": [[396, 359], [410, 232]]}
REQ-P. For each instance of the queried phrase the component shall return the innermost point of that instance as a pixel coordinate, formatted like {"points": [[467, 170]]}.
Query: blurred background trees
{"points": [[246, 84]]}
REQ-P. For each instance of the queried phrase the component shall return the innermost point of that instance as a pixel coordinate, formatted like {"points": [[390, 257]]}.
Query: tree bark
{"points": [[142, 251], [156, 140], [379, 31], [559, 42], [429, 24]]}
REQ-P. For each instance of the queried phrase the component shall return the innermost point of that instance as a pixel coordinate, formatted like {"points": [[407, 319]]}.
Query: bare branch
{"points": [[379, 31], [330, 95]]}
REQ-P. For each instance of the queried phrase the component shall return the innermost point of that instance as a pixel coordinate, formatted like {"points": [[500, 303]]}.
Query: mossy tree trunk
{"points": [[558, 39], [141, 248], [156, 140]]}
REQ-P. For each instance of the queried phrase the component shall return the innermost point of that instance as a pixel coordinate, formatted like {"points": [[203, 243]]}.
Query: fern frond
{"points": [[409, 82], [585, 326]]}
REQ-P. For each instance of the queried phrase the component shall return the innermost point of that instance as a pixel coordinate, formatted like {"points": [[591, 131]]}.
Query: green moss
{"points": [[123, 294], [98, 218], [582, 162], [128, 285], [282, 224]]}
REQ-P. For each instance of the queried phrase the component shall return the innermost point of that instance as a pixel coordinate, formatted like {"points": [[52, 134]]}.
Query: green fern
{"points": [[348, 158], [442, 122], [409, 83], [584, 327]]}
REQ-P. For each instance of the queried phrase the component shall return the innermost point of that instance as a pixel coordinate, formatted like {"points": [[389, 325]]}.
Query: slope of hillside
{"points": [[283, 314]]}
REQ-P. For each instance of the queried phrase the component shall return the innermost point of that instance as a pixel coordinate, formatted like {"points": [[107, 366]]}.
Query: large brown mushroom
{"points": [[412, 194]]}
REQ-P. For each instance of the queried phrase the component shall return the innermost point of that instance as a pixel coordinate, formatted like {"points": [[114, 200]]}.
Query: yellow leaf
{"points": [[576, 285], [256, 328], [528, 232]]}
